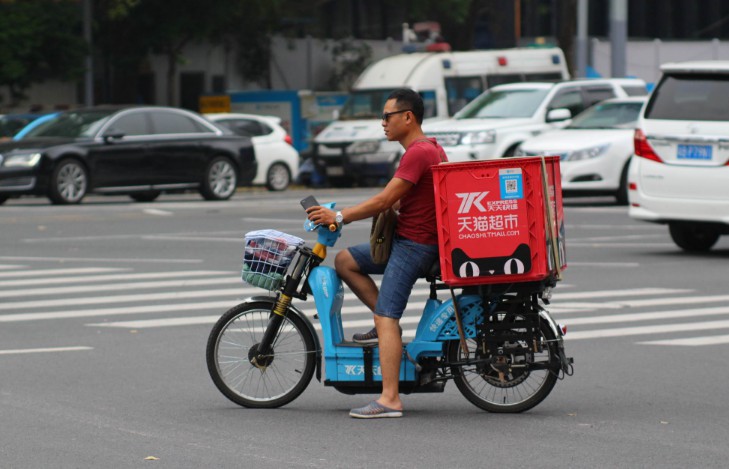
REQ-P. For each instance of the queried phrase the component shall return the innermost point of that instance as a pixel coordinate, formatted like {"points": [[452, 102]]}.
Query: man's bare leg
{"points": [[390, 343], [361, 284]]}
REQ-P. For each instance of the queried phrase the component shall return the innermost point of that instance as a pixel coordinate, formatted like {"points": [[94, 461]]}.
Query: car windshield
{"points": [[365, 104], [608, 116], [72, 124], [504, 103]]}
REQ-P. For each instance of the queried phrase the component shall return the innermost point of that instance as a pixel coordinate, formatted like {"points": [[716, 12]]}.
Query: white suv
{"points": [[495, 123], [681, 174]]}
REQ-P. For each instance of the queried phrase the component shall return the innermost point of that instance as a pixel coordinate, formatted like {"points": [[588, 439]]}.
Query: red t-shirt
{"points": [[416, 220]]}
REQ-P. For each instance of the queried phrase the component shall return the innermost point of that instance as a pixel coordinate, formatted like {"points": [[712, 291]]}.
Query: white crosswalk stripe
{"points": [[128, 299]]}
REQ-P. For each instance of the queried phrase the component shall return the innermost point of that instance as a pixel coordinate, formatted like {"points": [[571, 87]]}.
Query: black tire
{"points": [[148, 196], [278, 177], [233, 338], [520, 391], [694, 237], [3, 199], [69, 182], [220, 180], [511, 151], [621, 196]]}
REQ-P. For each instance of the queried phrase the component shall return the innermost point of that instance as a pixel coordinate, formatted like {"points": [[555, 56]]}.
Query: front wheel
{"points": [[278, 177], [69, 183], [281, 378], [526, 384], [220, 180]]}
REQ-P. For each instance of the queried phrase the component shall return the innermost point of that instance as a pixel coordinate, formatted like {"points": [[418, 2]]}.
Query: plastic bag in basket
{"points": [[268, 254]]}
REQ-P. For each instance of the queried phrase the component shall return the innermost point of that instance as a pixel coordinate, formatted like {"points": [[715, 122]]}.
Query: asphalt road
{"points": [[105, 310]]}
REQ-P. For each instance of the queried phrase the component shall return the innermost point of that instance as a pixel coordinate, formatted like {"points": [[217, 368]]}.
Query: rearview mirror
{"points": [[560, 114], [112, 134]]}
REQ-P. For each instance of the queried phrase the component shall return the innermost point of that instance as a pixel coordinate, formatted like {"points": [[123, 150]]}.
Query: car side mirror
{"points": [[559, 114], [113, 134]]}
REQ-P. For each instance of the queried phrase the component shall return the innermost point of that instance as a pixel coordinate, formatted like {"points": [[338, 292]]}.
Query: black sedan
{"points": [[139, 151]]}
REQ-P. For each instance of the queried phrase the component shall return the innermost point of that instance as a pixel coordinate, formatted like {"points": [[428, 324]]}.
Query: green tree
{"points": [[39, 40]]}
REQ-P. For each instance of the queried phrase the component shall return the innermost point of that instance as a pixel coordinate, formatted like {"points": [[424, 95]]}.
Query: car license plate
{"points": [[694, 152], [335, 171]]}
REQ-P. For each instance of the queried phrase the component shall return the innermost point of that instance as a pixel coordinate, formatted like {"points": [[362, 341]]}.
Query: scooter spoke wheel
{"points": [[266, 382], [494, 388]]}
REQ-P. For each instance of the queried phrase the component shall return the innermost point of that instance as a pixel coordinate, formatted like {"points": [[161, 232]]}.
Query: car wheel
{"points": [[278, 177], [69, 183], [220, 180], [3, 198], [621, 196], [693, 237], [511, 151], [148, 196]]}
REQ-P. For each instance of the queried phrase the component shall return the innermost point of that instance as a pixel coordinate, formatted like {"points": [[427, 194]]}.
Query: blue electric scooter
{"points": [[497, 342]]}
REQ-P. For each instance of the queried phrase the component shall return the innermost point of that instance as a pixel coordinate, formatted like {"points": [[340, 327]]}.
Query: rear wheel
{"points": [[621, 196], [232, 344], [523, 386], [220, 180], [693, 237], [278, 177], [69, 183]]}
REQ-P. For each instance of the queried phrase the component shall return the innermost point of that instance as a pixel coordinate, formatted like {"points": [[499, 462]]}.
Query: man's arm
{"points": [[389, 196]]}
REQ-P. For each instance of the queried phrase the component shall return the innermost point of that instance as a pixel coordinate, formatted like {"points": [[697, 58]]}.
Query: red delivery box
{"points": [[500, 221]]}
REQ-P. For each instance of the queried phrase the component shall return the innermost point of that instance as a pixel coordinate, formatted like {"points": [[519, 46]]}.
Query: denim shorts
{"points": [[408, 262]]}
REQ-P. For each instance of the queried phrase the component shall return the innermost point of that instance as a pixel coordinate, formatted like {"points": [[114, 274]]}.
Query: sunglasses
{"points": [[386, 115]]}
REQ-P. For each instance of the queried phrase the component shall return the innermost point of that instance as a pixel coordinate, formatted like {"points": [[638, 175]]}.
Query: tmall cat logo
{"points": [[470, 200]]}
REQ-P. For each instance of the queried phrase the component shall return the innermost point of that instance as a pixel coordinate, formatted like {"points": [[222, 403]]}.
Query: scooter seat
{"points": [[433, 273]]}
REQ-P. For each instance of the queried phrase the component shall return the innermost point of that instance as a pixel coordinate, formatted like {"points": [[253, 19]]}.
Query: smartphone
{"points": [[309, 202]]}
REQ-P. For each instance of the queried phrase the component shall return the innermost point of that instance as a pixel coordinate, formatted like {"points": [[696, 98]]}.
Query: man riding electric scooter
{"points": [[414, 249]]}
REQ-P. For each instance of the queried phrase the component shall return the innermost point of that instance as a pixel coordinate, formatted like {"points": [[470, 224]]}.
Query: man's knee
{"points": [[344, 263]]}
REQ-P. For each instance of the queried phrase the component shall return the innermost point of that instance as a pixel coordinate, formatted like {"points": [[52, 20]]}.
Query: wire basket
{"points": [[268, 254]]}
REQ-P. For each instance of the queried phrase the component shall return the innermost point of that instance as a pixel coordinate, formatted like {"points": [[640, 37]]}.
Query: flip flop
{"points": [[374, 410]]}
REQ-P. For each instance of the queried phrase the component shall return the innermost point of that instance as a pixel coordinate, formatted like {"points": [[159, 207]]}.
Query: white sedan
{"points": [[594, 150], [278, 160]]}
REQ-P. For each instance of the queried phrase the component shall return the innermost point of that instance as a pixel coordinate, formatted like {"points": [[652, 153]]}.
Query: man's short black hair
{"points": [[405, 98]]}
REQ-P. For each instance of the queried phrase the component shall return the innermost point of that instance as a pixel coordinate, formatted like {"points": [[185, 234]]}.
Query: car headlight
{"points": [[587, 153], [367, 146], [482, 136], [22, 160]]}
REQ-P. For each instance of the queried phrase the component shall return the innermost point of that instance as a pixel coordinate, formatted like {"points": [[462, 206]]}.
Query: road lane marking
{"points": [[105, 278], [156, 211], [645, 330], [80, 270], [104, 259], [193, 238], [44, 350], [44, 316], [692, 341], [10, 266], [556, 295], [649, 316], [619, 265], [119, 286], [97, 300]]}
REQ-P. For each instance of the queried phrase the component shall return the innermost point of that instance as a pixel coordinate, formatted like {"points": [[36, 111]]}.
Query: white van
{"points": [[355, 145], [680, 173]]}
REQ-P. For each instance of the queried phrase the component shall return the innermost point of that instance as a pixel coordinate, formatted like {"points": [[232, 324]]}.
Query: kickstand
{"points": [[461, 334]]}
